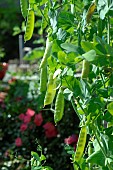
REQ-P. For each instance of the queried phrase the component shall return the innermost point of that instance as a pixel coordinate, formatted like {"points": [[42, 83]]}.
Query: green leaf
{"points": [[53, 19], [68, 94], [34, 54], [52, 62], [44, 22], [86, 45], [62, 34], [46, 168], [72, 84], [72, 48], [35, 155], [102, 8], [96, 158], [62, 57], [65, 20], [42, 158], [90, 55], [108, 161], [56, 46], [110, 108]]}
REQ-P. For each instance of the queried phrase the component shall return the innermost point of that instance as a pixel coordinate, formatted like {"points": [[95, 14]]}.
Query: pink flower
{"points": [[38, 119], [21, 116], [27, 119], [71, 139], [23, 127], [50, 130], [7, 153], [18, 142], [30, 112]]}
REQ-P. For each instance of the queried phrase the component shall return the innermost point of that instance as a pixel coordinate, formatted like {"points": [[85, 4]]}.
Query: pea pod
{"points": [[90, 12], [80, 144], [29, 25], [46, 53], [43, 79], [85, 69], [51, 90], [24, 7], [59, 106]]}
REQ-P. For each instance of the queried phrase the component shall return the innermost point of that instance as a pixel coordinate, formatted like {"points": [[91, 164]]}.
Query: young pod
{"points": [[46, 53], [80, 144], [24, 7], [90, 12], [43, 79], [59, 106], [29, 25], [51, 90], [85, 69]]}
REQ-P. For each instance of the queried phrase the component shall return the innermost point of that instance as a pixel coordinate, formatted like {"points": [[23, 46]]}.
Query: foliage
{"points": [[81, 31], [78, 32]]}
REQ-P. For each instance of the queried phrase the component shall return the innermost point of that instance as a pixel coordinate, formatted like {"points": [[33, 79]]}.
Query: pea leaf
{"points": [[110, 108], [65, 20], [35, 155], [90, 55], [62, 34], [68, 94], [72, 84], [102, 8], [72, 48], [97, 158]]}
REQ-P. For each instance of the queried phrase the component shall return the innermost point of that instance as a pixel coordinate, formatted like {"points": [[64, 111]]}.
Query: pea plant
{"points": [[77, 66]]}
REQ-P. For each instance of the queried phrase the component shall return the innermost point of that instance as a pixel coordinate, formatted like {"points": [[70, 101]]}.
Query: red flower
{"points": [[71, 139], [21, 116], [50, 130], [13, 79], [30, 112], [38, 119], [18, 142], [27, 119], [23, 127]]}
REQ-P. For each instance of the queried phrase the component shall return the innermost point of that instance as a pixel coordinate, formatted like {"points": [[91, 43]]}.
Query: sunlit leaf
{"points": [[110, 108]]}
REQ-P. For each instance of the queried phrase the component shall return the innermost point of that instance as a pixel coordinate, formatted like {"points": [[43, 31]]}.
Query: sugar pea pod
{"points": [[51, 90], [85, 69], [46, 53], [90, 12], [24, 7], [29, 25], [43, 79], [59, 106], [80, 144]]}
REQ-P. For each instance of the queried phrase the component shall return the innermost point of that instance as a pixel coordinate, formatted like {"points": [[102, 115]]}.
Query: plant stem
{"points": [[108, 29], [43, 15], [73, 104], [102, 149], [89, 153], [73, 9]]}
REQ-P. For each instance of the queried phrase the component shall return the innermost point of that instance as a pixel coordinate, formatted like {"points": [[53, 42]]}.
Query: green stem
{"points": [[73, 9], [108, 31], [81, 106], [102, 149], [43, 15], [89, 153], [73, 104]]}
